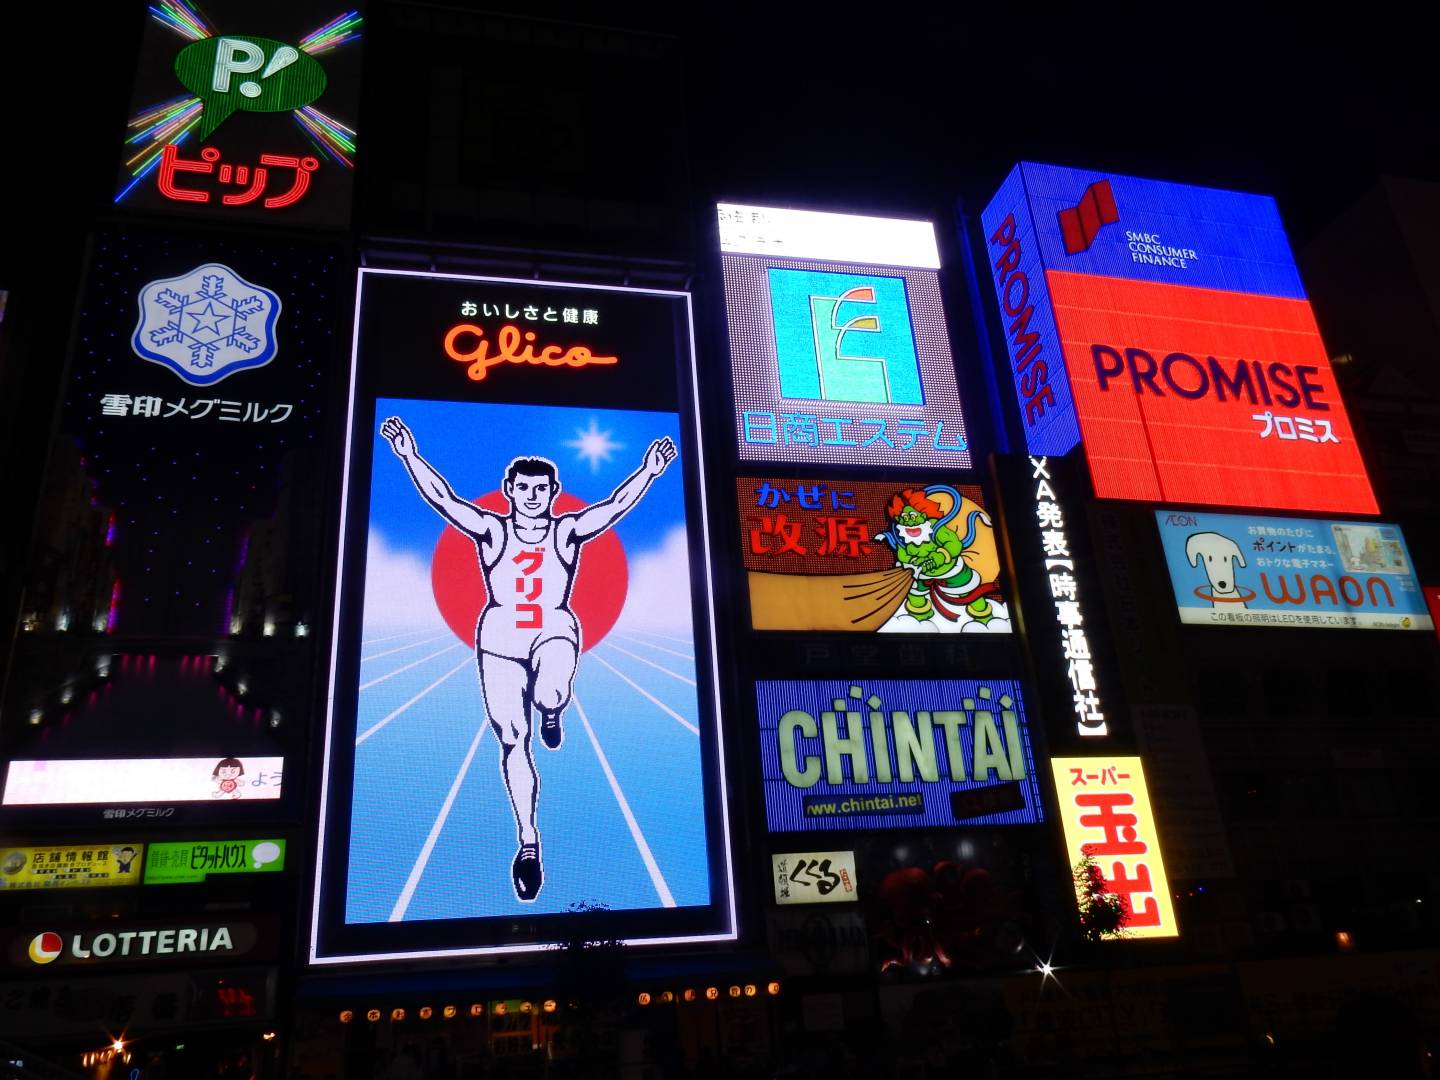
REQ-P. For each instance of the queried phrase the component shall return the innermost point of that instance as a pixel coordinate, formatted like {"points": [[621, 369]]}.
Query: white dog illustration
{"points": [[1219, 555]]}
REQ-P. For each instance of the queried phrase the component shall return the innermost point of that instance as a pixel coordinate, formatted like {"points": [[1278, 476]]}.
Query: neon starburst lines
{"points": [[170, 122]]}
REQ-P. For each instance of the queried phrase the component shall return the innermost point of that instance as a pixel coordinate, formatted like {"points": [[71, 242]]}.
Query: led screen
{"points": [[523, 724], [142, 780], [72, 866], [1231, 569], [863, 556], [838, 346], [173, 587], [895, 754], [245, 112], [1166, 327]]}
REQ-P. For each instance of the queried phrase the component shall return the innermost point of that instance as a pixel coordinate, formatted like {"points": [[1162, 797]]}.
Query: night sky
{"points": [[865, 111]]}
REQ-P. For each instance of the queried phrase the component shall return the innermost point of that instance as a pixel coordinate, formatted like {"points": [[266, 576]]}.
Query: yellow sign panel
{"points": [[81, 866], [1105, 808]]}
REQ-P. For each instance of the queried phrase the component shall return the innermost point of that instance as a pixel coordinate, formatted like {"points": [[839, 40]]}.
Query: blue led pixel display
{"points": [[895, 753]]}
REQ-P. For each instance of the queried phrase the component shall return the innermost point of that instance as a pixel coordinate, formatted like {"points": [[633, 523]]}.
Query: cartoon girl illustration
{"points": [[226, 777]]}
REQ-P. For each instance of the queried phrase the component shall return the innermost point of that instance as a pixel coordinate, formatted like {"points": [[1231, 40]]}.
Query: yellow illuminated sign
{"points": [[1105, 808], [77, 866]]}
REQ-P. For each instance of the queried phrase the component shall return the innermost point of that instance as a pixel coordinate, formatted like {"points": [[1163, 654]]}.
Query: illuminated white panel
{"points": [[814, 234], [142, 780]]}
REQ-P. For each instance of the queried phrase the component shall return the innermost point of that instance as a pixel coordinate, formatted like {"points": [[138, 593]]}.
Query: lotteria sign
{"points": [[1166, 327], [182, 944]]}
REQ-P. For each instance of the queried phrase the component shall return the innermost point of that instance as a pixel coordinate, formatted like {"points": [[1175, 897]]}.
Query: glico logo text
{"points": [[513, 347]]}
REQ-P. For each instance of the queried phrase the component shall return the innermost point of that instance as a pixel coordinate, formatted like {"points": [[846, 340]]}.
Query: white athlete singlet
{"points": [[529, 597]]}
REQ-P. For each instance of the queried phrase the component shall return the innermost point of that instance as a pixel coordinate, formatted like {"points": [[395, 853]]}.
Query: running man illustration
{"points": [[527, 640]]}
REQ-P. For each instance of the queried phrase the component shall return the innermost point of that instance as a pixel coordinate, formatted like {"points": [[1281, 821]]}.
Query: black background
{"points": [[404, 320]]}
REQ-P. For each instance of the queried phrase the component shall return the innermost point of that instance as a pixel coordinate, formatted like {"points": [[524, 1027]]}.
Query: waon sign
{"points": [[1166, 327]]}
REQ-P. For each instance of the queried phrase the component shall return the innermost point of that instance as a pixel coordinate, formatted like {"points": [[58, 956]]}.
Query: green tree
{"points": [[1102, 914]]}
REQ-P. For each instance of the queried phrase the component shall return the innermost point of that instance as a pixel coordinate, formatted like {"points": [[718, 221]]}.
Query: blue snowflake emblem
{"points": [[207, 324]]}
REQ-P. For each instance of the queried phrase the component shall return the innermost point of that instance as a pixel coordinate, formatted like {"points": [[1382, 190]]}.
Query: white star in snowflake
{"points": [[208, 318], [594, 445]]}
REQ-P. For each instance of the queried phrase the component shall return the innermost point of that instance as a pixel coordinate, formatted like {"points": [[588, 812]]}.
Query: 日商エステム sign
{"points": [[838, 345]]}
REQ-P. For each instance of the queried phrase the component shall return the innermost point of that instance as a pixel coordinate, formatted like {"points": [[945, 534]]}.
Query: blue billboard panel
{"points": [[895, 753], [1109, 225], [1242, 569], [1037, 364], [1165, 326]]}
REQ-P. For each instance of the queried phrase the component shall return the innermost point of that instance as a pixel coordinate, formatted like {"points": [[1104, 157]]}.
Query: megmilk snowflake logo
{"points": [[207, 324]]}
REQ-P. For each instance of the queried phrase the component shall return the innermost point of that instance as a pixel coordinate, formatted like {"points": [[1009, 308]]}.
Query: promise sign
{"points": [[1166, 327]]}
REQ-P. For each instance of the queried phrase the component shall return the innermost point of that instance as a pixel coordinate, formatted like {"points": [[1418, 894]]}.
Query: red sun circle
{"points": [[597, 598]]}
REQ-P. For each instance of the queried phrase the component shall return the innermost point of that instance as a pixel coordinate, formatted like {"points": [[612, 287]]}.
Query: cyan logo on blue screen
{"points": [[844, 337]]}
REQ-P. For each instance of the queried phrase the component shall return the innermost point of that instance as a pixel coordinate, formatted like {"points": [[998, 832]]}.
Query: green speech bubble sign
{"points": [[177, 863], [240, 73]]}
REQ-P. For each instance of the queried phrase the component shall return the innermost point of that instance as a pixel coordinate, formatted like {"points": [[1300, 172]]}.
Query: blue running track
{"points": [[621, 806]]}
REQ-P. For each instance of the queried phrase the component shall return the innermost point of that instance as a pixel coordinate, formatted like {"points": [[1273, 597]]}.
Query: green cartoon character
{"points": [[954, 576]]}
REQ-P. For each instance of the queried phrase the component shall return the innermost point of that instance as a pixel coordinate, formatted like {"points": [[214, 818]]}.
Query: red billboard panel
{"points": [[1206, 396]]}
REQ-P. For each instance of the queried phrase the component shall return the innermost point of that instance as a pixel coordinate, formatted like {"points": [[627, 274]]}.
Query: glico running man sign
{"points": [[523, 728]]}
